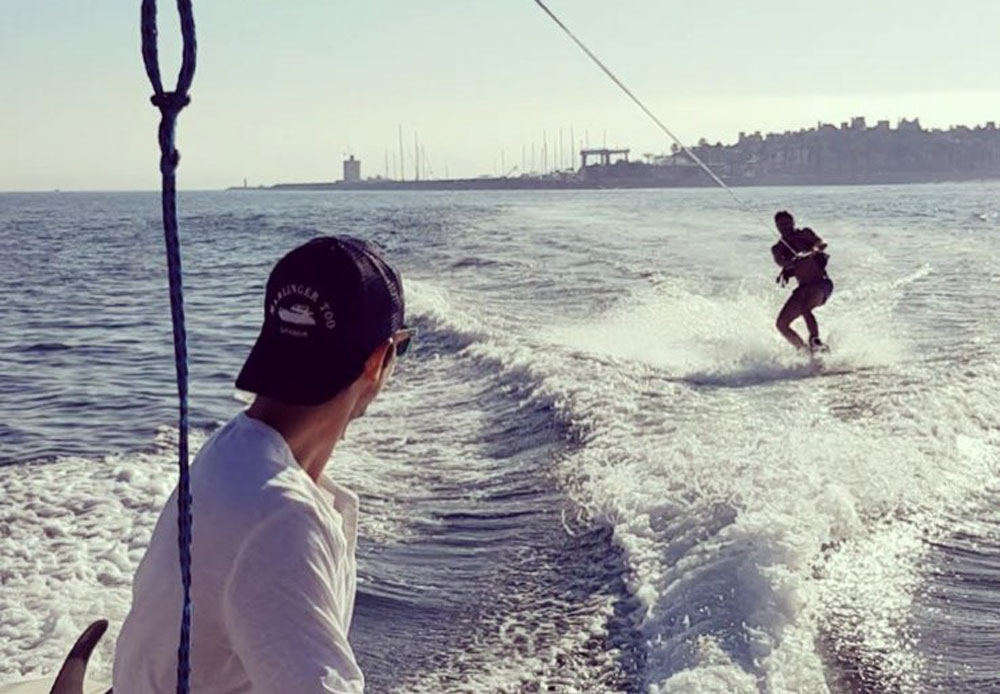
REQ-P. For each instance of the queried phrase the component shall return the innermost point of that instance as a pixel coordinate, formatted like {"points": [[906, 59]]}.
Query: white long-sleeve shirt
{"points": [[273, 578]]}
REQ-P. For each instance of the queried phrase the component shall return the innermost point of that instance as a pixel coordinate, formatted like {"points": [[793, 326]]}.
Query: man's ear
{"points": [[375, 362]]}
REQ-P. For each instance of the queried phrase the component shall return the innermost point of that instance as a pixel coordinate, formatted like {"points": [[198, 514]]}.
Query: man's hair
{"points": [[783, 214]]}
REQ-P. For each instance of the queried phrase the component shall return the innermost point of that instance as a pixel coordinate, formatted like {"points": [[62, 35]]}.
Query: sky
{"points": [[285, 90]]}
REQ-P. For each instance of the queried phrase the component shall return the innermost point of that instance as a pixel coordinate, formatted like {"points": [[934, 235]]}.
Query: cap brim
{"points": [[313, 381]]}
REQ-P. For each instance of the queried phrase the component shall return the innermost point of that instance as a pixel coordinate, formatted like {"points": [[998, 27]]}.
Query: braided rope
{"points": [[170, 105]]}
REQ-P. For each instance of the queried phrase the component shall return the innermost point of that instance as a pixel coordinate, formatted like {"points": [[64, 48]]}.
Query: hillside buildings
{"points": [[858, 153]]}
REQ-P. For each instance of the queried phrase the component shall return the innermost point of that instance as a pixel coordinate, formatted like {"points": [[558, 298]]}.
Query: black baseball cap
{"points": [[328, 304]]}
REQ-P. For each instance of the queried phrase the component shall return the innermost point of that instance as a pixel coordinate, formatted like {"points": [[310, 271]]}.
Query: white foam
{"points": [[729, 337], [560, 656], [745, 512], [74, 531]]}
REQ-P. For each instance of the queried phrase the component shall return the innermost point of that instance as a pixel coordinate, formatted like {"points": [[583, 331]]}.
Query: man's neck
{"points": [[310, 432]]}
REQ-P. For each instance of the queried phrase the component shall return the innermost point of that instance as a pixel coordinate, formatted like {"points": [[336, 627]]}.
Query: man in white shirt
{"points": [[273, 563]]}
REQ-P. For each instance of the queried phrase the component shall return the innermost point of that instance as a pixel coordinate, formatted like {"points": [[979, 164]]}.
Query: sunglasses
{"points": [[401, 339]]}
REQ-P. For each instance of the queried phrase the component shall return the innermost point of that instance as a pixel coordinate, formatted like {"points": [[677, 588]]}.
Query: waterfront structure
{"points": [[603, 156], [352, 170], [854, 153]]}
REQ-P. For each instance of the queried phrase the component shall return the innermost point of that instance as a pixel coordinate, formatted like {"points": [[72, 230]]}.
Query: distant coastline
{"points": [[532, 183], [853, 154]]}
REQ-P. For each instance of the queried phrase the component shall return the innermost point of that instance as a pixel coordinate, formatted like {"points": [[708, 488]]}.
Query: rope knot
{"points": [[169, 161], [170, 102]]}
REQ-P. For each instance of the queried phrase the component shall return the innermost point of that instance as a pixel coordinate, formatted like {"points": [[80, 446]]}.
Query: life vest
{"points": [[802, 240]]}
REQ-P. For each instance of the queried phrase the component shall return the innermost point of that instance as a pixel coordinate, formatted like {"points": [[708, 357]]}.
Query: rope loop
{"points": [[150, 53]]}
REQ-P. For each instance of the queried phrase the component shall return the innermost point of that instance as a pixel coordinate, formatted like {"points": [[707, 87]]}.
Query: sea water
{"points": [[599, 470]]}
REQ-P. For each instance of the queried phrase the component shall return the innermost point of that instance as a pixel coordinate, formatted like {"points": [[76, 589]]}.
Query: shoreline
{"points": [[584, 184]]}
